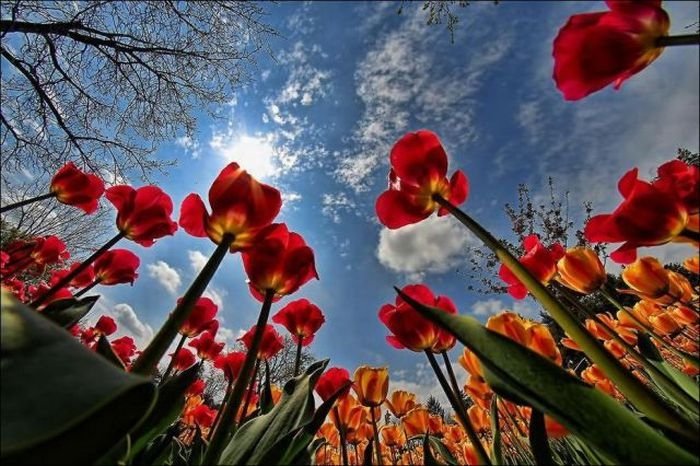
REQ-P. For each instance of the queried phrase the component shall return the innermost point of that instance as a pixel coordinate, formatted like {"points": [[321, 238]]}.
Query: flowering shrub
{"points": [[99, 399]]}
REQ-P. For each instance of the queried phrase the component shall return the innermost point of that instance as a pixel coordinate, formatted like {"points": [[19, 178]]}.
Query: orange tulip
{"points": [[276, 393], [664, 323], [371, 385], [581, 270], [510, 325], [326, 456], [692, 264], [329, 432], [454, 433], [392, 435], [435, 425], [401, 402], [647, 278], [479, 391], [416, 421], [679, 287], [350, 413], [685, 315], [363, 433], [480, 419], [542, 342], [598, 379], [615, 348], [469, 453], [470, 363]]}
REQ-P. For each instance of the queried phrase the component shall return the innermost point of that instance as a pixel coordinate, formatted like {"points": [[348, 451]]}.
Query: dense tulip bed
{"points": [[105, 401]]}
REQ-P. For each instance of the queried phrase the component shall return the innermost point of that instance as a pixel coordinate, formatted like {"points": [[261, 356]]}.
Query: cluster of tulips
{"points": [[632, 398]]}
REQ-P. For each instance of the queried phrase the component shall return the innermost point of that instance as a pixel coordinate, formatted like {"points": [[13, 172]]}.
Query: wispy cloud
{"points": [[166, 275]]}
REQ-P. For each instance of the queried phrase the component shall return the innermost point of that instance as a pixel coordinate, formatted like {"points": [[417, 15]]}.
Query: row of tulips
{"points": [[631, 399]]}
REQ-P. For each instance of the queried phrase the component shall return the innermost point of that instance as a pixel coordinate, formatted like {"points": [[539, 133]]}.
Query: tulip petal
{"points": [[625, 254], [193, 216], [417, 156], [602, 228], [393, 341], [119, 195], [395, 210]]}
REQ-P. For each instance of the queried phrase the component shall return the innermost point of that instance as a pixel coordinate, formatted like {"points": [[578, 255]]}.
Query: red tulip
{"points": [[538, 260], [35, 291], [4, 260], [203, 416], [73, 187], [83, 279], [106, 326], [206, 347], [48, 250], [594, 50], [418, 173], [446, 340], [125, 348], [143, 213], [270, 345], [231, 363], [196, 388], [183, 359], [302, 318], [280, 262], [117, 266], [17, 256], [16, 287], [331, 381], [201, 318], [682, 181], [241, 206], [648, 216]]}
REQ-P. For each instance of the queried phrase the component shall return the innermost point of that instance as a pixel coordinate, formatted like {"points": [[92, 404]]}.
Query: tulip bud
{"points": [[581, 270], [371, 385], [647, 277]]}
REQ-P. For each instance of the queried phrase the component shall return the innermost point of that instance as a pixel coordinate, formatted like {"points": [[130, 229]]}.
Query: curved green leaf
{"points": [[69, 311], [428, 458], [588, 413], [444, 452], [649, 351], [252, 441], [61, 402]]}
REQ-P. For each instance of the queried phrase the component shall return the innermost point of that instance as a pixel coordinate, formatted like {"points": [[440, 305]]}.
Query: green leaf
{"points": [[428, 458], [296, 408], [171, 401], [444, 452], [585, 411], [538, 439], [69, 311], [61, 402], [105, 349], [496, 447], [266, 403]]}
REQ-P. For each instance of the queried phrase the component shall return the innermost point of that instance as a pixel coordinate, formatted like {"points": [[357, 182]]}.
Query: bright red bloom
{"points": [[206, 347], [74, 187], [143, 213], [241, 206], [4, 260], [106, 325], [538, 260], [596, 49], [83, 279], [270, 345], [331, 381], [48, 250], [648, 216], [201, 318], [125, 348], [196, 388], [35, 291], [231, 363], [418, 172], [117, 266], [681, 180], [302, 318], [203, 416], [184, 359], [17, 256], [16, 287], [410, 329], [280, 262]]}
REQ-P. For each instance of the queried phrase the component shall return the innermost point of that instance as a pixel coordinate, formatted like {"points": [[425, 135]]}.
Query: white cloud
{"points": [[306, 81], [487, 307], [128, 320], [190, 146], [336, 204], [197, 260], [527, 308], [165, 275], [216, 295], [434, 245]]}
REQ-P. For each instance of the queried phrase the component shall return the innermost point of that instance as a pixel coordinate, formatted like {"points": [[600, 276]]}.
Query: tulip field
{"points": [[107, 400]]}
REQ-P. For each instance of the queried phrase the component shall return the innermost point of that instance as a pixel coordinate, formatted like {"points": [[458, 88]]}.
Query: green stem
{"points": [[664, 380], [249, 393], [172, 359], [341, 432], [458, 408], [155, 350], [226, 425], [229, 386], [87, 288], [297, 360], [685, 39], [685, 356], [77, 271], [377, 446], [636, 392], [25, 202]]}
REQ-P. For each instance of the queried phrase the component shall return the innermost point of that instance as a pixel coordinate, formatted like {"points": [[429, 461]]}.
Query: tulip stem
{"points": [[171, 364], [377, 446], [687, 357], [249, 393], [87, 288], [229, 386], [155, 350], [685, 39], [341, 432], [636, 392], [458, 407], [665, 381], [25, 202], [226, 424], [297, 360], [77, 271]]}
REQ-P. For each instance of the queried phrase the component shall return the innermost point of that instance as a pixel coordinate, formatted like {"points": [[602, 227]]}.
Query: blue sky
{"points": [[318, 121]]}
